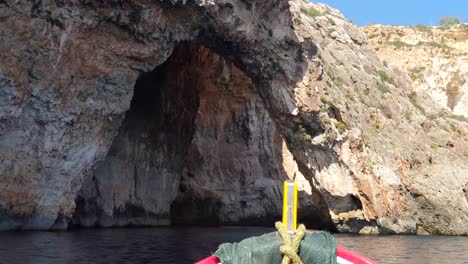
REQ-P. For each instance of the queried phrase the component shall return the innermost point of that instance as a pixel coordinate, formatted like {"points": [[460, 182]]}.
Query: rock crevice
{"points": [[196, 147], [278, 92]]}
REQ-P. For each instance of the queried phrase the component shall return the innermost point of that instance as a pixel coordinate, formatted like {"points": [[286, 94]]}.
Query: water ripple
{"points": [[187, 244]]}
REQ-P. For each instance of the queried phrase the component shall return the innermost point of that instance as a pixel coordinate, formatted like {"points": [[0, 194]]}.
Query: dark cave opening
{"points": [[197, 147]]}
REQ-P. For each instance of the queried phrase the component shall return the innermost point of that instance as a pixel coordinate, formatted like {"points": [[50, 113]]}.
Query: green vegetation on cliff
{"points": [[449, 21]]}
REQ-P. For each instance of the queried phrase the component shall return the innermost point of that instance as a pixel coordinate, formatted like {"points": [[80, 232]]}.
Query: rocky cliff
{"points": [[197, 123], [435, 58], [117, 113]]}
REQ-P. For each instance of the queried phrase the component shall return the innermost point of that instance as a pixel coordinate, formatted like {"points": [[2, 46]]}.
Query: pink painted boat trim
{"points": [[353, 257], [209, 260], [342, 253]]}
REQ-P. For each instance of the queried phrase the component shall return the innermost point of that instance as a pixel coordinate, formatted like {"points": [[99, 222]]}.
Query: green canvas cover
{"points": [[316, 248]]}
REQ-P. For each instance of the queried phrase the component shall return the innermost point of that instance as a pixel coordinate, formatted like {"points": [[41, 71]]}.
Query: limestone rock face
{"points": [[436, 59], [157, 112], [196, 147]]}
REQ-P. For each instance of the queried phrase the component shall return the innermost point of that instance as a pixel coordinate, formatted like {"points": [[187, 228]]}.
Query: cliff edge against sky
{"points": [[435, 58], [171, 112]]}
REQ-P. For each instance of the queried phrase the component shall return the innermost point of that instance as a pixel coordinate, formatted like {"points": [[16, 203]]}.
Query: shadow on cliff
{"points": [[197, 147]]}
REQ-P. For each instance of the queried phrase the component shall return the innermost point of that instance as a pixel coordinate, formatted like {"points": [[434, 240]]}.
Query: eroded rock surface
{"points": [[196, 147], [435, 58], [373, 155]]}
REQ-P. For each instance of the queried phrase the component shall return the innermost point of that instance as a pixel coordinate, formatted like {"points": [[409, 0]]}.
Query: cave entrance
{"points": [[196, 147]]}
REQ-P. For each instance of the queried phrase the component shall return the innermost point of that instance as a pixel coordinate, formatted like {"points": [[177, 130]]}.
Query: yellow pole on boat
{"points": [[290, 206]]}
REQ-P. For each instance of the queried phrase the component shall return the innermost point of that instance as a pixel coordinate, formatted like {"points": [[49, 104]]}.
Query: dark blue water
{"points": [[185, 245]]}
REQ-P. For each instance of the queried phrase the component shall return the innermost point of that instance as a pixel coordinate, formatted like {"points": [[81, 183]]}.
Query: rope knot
{"points": [[289, 248]]}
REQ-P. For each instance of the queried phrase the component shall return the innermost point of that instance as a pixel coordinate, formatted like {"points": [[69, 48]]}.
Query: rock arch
{"points": [[196, 147], [67, 76], [95, 58]]}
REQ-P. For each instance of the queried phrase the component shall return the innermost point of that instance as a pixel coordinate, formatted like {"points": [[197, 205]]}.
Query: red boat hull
{"points": [[345, 255], [352, 257], [209, 260]]}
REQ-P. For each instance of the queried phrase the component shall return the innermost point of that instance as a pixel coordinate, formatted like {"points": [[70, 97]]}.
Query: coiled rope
{"points": [[291, 246]]}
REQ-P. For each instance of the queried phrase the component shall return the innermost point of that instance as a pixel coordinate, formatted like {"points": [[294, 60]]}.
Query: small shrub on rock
{"points": [[449, 21], [423, 28], [313, 12], [341, 126], [414, 101], [384, 76]]}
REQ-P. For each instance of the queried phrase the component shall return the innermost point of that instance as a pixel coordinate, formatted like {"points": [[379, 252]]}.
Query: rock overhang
{"points": [[291, 54]]}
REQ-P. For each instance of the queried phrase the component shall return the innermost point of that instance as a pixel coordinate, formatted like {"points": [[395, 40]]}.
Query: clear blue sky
{"points": [[399, 12]]}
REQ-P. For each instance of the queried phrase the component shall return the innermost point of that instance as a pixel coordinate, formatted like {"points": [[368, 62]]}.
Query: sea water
{"points": [[188, 244]]}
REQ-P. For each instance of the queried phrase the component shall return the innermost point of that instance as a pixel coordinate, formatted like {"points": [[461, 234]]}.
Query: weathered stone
{"points": [[369, 230], [434, 57], [196, 147], [215, 151]]}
